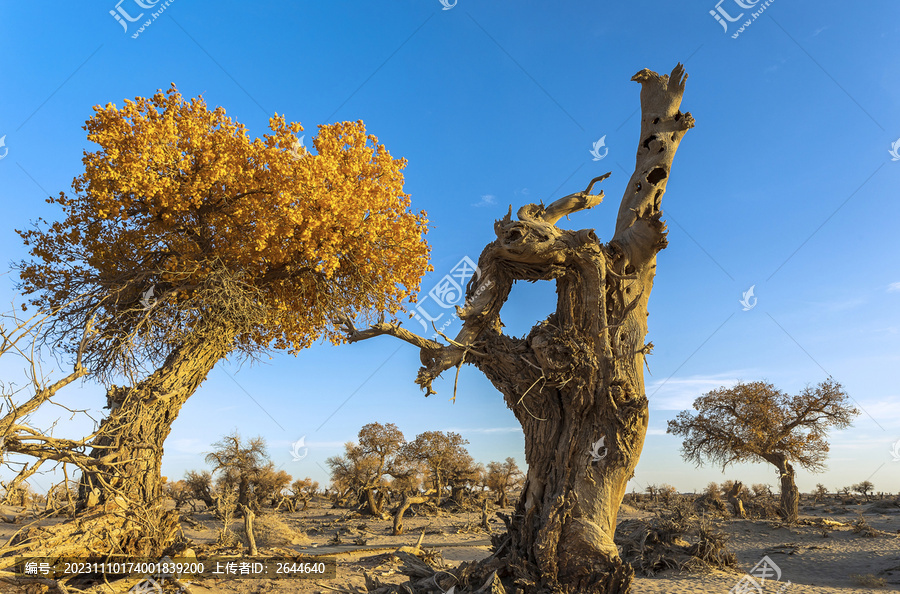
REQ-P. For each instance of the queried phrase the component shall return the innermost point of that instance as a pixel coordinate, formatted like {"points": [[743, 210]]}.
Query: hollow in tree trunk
{"points": [[575, 382]]}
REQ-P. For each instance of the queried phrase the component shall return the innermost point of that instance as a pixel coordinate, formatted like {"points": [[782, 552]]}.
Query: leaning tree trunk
{"points": [[120, 493], [577, 378]]}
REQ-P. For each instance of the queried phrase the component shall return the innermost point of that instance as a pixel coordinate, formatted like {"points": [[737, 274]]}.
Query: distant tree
{"points": [[267, 484], [364, 467], [864, 488], [667, 493], [481, 477], [184, 241], [755, 421], [302, 490], [238, 462], [502, 477], [729, 484], [179, 492], [761, 490], [820, 492], [845, 490], [200, 484], [406, 476], [439, 451], [461, 476]]}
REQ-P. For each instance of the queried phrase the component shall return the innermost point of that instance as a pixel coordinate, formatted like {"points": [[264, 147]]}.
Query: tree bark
{"points": [[372, 504], [789, 509], [577, 377], [401, 510], [248, 530], [120, 492]]}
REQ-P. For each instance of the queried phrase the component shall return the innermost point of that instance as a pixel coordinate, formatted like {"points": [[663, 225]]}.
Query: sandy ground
{"points": [[809, 562]]}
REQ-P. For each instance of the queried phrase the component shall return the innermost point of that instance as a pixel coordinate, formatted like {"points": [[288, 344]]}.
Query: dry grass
{"points": [[869, 580], [270, 531], [862, 527]]}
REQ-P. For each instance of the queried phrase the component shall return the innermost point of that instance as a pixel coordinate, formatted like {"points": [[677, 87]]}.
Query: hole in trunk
{"points": [[657, 175], [528, 304]]}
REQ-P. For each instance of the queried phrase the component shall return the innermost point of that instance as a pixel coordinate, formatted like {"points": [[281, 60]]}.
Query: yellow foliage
{"points": [[177, 190]]}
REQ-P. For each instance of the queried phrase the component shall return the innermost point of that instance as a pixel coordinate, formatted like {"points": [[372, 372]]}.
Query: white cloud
{"points": [[187, 446], [680, 393], [487, 430], [894, 287], [279, 444], [486, 200]]}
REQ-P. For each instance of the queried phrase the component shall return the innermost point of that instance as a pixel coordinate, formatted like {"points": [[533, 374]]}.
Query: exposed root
{"points": [[661, 543], [101, 531]]}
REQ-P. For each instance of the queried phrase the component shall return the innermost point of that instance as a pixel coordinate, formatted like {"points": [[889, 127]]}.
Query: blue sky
{"points": [[786, 184]]}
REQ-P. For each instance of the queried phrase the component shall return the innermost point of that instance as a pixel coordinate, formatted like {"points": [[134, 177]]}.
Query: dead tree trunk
{"points": [[401, 510], [734, 499], [248, 530], [577, 377]]}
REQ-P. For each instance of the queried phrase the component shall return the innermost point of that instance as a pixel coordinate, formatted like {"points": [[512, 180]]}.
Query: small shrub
{"points": [[226, 505], [868, 580]]}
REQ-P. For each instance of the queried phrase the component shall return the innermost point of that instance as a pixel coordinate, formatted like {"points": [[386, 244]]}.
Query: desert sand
{"points": [[823, 554]]}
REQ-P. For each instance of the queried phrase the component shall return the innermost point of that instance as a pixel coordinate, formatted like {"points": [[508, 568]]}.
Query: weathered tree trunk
{"points": [[577, 377], [438, 488], [248, 530], [789, 509], [120, 495], [734, 499], [372, 504], [401, 510], [484, 516]]}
